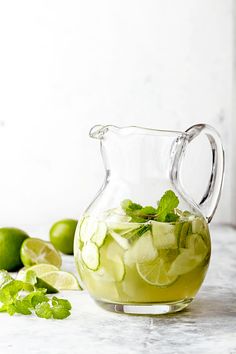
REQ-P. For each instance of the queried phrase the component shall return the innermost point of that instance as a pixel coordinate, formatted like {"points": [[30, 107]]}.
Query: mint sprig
{"points": [[21, 297], [165, 211]]}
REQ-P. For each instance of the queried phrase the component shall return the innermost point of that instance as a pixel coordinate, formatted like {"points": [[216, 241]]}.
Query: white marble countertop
{"points": [[207, 326]]}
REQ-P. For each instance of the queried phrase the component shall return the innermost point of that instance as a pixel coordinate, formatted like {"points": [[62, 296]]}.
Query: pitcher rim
{"points": [[98, 131]]}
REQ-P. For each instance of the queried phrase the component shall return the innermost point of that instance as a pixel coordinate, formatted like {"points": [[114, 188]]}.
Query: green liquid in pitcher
{"points": [[134, 258]]}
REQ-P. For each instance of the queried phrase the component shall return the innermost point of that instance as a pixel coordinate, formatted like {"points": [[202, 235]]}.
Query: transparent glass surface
{"points": [[136, 260]]}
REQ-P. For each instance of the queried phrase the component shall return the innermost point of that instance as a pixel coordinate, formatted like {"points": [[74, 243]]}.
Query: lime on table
{"points": [[11, 240], [38, 269], [35, 251], [156, 272], [61, 280], [62, 235]]}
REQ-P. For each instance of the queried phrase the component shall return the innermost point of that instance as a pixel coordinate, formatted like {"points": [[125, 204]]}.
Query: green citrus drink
{"points": [[126, 262], [143, 255]]}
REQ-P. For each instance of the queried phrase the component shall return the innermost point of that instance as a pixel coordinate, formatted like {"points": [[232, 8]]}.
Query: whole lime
{"points": [[11, 240], [62, 235]]}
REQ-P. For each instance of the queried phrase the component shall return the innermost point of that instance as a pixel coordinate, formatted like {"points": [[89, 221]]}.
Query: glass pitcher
{"points": [[143, 245]]}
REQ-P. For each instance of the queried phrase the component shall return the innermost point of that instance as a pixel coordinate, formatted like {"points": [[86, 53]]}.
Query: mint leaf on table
{"points": [[61, 302], [168, 202], [23, 298], [43, 310]]}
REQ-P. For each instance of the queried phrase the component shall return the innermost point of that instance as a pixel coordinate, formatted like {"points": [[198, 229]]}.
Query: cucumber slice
{"points": [[100, 234], [90, 256], [164, 236], [123, 242], [141, 251], [88, 228]]}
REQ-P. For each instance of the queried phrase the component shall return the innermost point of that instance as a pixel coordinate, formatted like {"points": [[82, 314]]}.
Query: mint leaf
{"points": [[171, 217], [22, 306], [128, 206], [169, 201], [35, 298], [60, 312], [11, 309], [43, 310], [62, 302]]}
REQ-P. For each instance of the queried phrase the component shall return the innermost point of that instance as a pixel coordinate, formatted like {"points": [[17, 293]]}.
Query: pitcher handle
{"points": [[211, 197]]}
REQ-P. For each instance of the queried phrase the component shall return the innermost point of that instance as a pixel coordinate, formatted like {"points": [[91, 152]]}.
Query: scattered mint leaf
{"points": [[22, 306], [11, 309], [62, 302], [59, 312], [43, 310], [169, 201], [17, 296]]}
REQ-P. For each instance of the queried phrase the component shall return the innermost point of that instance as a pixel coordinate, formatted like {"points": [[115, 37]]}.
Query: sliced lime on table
{"points": [[61, 280], [35, 251], [38, 269]]}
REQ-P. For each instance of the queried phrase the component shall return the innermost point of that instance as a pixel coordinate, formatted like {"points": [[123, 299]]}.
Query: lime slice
{"points": [[141, 251], [35, 251], [90, 255], [164, 236], [88, 228], [38, 269], [61, 280], [156, 272], [100, 234]]}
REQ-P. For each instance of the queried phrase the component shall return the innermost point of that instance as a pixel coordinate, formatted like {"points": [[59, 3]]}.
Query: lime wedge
{"points": [[43, 284], [35, 251], [100, 234], [38, 269], [90, 255], [61, 280], [156, 272], [141, 251]]}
